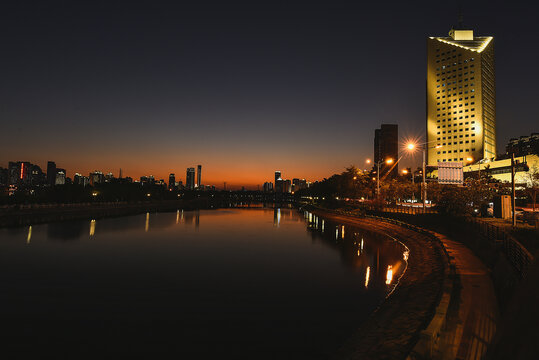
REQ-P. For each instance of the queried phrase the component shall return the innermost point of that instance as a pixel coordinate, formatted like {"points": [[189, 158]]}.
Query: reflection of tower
{"points": [[197, 219], [199, 175], [276, 217]]}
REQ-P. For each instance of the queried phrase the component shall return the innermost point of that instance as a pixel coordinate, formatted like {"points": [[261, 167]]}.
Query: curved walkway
{"points": [[473, 314]]}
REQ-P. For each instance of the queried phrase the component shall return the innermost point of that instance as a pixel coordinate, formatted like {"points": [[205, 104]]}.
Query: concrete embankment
{"points": [[28, 215], [399, 323]]}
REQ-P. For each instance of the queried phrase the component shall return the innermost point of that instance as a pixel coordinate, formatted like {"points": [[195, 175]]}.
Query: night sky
{"points": [[243, 88]]}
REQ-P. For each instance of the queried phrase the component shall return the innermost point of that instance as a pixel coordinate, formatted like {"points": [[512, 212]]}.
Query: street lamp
{"points": [[388, 162], [411, 172], [411, 147]]}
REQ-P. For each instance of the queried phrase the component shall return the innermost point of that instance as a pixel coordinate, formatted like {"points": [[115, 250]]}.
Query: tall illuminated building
{"points": [[190, 179], [461, 98]]}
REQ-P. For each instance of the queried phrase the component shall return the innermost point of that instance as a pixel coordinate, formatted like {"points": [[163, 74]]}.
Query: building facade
{"points": [[172, 182], [524, 145], [199, 175], [461, 98], [51, 173], [190, 179], [278, 184], [96, 177], [386, 146], [525, 168]]}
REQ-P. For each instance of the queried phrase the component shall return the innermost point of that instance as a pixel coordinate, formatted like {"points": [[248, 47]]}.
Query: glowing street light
{"points": [[411, 147]]}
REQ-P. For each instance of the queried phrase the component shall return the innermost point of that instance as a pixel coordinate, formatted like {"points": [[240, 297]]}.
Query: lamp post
{"points": [[424, 147], [411, 172], [388, 162]]}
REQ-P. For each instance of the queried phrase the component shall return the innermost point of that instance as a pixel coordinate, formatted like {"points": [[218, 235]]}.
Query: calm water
{"points": [[235, 283]]}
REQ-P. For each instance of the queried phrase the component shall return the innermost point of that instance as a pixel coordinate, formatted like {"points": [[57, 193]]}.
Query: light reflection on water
{"points": [[238, 280]]}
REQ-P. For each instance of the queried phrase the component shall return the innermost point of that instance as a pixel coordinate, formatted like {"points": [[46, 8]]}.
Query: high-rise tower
{"points": [[190, 179], [386, 146], [461, 98], [199, 175]]}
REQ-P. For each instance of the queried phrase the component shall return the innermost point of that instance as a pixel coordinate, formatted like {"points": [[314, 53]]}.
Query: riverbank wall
{"points": [[29, 215]]}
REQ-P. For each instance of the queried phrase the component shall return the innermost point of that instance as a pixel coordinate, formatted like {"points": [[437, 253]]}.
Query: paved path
{"points": [[473, 318]]}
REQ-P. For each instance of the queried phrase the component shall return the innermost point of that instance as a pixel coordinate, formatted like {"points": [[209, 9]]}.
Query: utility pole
{"points": [[424, 181], [378, 180], [513, 189]]}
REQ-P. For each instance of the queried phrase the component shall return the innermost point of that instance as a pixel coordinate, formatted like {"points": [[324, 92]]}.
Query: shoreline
{"points": [[394, 328], [65, 212]]}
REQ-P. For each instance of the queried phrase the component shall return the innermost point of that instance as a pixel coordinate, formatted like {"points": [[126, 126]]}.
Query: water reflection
{"points": [[238, 277], [29, 236], [276, 217], [379, 258], [389, 275], [92, 227]]}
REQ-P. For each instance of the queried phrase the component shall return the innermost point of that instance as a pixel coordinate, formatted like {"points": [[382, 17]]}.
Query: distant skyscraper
{"points": [[172, 182], [199, 175], [79, 179], [278, 182], [298, 184], [287, 186], [19, 173], [190, 179], [60, 177], [386, 146], [96, 177], [277, 175], [461, 97], [268, 187], [51, 173]]}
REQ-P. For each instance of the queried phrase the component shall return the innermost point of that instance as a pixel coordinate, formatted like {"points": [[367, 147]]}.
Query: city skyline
{"points": [[243, 89]]}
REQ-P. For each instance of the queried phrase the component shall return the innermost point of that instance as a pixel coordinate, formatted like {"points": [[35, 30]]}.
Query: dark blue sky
{"points": [[244, 88]]}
